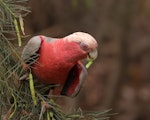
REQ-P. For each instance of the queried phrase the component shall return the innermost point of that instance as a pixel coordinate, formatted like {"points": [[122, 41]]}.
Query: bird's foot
{"points": [[24, 77], [44, 107], [24, 112]]}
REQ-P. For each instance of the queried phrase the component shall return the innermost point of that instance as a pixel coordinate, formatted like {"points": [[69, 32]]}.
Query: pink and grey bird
{"points": [[58, 60]]}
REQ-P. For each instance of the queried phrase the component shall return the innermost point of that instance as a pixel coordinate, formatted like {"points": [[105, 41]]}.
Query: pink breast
{"points": [[49, 69]]}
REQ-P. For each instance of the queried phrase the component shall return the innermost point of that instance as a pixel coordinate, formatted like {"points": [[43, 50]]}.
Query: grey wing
{"points": [[71, 81], [82, 78], [29, 53]]}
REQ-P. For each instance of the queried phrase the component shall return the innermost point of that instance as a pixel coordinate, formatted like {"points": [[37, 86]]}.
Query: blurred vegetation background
{"points": [[120, 77]]}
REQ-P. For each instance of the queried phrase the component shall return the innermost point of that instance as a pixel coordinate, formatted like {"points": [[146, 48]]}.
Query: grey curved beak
{"points": [[93, 55]]}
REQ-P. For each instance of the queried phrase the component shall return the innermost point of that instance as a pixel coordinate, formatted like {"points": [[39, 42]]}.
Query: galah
{"points": [[57, 61]]}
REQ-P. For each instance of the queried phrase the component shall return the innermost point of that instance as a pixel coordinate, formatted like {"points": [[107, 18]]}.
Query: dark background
{"points": [[120, 77]]}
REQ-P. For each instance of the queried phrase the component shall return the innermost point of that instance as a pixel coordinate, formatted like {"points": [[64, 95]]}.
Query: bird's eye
{"points": [[84, 46]]}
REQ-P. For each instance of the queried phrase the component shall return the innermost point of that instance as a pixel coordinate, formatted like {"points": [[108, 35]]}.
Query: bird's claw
{"points": [[44, 107], [24, 77]]}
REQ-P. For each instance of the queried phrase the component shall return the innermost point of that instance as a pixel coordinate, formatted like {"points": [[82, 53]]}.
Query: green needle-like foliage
{"points": [[10, 62], [11, 13]]}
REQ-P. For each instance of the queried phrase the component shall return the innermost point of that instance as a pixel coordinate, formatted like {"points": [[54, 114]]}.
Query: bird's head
{"points": [[86, 42]]}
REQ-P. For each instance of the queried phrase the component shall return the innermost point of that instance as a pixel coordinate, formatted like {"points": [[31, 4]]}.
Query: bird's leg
{"points": [[54, 90], [50, 93]]}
